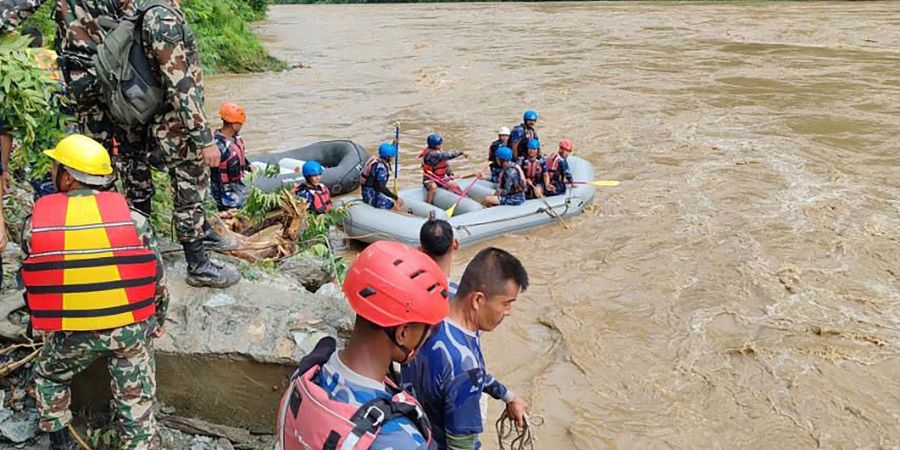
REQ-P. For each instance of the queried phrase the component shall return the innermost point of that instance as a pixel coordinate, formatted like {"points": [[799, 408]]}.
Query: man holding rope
{"points": [[449, 375]]}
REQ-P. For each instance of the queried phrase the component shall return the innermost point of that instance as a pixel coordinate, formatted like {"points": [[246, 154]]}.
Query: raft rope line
{"points": [[519, 438]]}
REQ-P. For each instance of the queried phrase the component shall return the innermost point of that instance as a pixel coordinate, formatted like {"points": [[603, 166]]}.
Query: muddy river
{"points": [[741, 289]]}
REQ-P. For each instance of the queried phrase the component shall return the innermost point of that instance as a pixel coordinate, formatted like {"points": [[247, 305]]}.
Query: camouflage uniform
{"points": [[178, 134], [182, 131], [129, 353], [78, 34]]}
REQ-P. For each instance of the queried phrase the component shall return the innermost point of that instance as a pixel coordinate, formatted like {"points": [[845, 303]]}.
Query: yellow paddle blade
{"points": [[450, 210], [606, 183]]}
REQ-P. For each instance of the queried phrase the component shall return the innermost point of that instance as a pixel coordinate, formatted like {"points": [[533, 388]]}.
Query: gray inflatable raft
{"points": [[342, 160], [472, 222]]}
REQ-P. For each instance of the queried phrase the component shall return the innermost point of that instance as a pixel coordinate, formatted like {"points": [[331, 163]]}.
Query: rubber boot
{"points": [[62, 440], [142, 206], [202, 272]]}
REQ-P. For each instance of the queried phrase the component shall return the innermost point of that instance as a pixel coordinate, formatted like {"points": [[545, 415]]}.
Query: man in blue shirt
{"points": [[436, 240], [522, 133], [449, 376]]}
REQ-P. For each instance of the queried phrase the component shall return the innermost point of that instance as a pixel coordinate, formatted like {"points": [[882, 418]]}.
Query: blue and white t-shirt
{"points": [[347, 386], [448, 377]]}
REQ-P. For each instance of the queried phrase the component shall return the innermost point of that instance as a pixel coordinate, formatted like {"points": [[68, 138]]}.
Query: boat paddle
{"points": [[553, 211], [441, 182], [396, 158], [464, 193], [600, 183]]}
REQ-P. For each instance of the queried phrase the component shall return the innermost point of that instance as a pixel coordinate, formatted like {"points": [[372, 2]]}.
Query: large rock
{"points": [[312, 273]]}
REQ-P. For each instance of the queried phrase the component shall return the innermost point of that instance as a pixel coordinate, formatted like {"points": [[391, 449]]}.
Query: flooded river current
{"points": [[740, 289]]}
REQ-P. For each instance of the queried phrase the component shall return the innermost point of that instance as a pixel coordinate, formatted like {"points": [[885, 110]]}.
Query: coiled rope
{"points": [[517, 438]]}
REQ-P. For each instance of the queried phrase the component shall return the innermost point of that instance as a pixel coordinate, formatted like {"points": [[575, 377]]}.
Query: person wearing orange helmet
{"points": [[345, 399], [226, 182]]}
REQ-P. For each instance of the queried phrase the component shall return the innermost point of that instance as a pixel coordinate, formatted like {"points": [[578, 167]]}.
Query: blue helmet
{"points": [[312, 168], [529, 115], [534, 143], [434, 140], [504, 154], [387, 150]]}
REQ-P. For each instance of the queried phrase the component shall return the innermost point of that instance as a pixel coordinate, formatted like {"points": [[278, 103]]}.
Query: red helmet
{"points": [[392, 284], [232, 113], [566, 144]]}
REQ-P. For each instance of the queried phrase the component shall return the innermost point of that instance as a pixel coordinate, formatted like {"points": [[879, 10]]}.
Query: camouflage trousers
{"points": [[132, 369], [188, 173]]}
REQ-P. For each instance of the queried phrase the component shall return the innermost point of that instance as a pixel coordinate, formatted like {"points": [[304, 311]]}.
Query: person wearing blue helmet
{"points": [[436, 167], [511, 186], [316, 194], [535, 169], [523, 132], [374, 178]]}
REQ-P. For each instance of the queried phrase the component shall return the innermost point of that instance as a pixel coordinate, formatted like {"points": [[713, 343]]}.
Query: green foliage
{"points": [[314, 240], [29, 103], [259, 203], [43, 20], [227, 44], [163, 205]]}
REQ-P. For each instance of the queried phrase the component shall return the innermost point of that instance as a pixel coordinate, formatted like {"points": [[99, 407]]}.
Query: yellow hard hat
{"points": [[83, 154]]}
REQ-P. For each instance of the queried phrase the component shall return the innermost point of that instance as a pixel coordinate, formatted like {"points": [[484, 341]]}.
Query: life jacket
{"points": [[321, 202], [533, 170], [519, 187], [440, 170], [365, 178], [492, 153], [231, 169], [133, 92], [553, 163], [309, 419], [87, 269]]}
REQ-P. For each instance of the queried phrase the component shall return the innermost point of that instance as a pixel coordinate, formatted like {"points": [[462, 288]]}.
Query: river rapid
{"points": [[740, 289]]}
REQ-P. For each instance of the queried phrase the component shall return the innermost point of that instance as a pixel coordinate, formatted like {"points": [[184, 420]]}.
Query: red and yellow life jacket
{"points": [[440, 170], [87, 268]]}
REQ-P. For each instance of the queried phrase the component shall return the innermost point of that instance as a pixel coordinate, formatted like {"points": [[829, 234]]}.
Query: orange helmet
{"points": [[392, 284], [232, 113]]}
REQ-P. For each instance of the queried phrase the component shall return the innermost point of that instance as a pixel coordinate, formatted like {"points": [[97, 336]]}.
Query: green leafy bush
{"points": [[227, 44], [29, 104]]}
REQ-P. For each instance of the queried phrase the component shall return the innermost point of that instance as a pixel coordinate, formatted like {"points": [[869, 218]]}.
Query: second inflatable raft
{"points": [[471, 221]]}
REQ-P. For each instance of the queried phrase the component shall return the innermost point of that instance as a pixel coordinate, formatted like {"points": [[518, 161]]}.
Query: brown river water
{"points": [[741, 288]]}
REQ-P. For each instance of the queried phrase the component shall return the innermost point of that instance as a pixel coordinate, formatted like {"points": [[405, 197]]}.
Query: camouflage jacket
{"points": [[145, 233], [170, 43]]}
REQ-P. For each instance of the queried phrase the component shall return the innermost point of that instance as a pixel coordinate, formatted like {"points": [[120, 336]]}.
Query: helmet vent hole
{"points": [[367, 292], [397, 262], [417, 273]]}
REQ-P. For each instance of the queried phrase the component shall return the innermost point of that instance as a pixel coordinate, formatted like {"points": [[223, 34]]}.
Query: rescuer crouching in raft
{"points": [[227, 180], [345, 399], [316, 194], [511, 186], [94, 282], [374, 176]]}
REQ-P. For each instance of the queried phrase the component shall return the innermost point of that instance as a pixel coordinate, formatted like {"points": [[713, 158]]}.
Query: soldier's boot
{"points": [[203, 272], [62, 440], [215, 241]]}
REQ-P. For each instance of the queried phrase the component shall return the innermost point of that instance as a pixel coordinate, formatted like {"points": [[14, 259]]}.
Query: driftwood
{"points": [[275, 237]]}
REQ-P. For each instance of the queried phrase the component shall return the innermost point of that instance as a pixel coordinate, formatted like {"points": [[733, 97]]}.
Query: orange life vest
{"points": [[87, 268], [440, 170], [231, 169], [533, 170]]}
